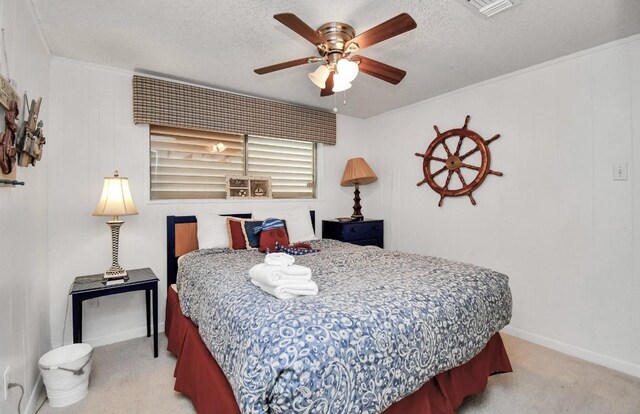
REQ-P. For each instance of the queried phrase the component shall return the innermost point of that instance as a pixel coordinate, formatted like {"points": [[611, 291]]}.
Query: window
{"points": [[290, 164], [190, 164]]}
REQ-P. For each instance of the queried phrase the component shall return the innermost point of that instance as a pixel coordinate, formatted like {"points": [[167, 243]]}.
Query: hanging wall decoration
{"points": [[7, 140], [8, 155], [30, 139], [462, 177], [7, 93], [9, 104]]}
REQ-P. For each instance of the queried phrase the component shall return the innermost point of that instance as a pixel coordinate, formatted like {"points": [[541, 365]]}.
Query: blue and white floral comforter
{"points": [[383, 324]]}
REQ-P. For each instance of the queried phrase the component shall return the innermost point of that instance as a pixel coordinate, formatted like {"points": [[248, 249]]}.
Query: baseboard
{"points": [[594, 357], [35, 396], [120, 336]]}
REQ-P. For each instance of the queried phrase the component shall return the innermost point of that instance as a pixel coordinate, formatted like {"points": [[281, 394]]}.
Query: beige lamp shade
{"points": [[357, 172], [116, 198]]}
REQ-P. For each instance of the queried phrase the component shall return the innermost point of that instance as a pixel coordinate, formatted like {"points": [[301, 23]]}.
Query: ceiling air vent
{"points": [[489, 8]]}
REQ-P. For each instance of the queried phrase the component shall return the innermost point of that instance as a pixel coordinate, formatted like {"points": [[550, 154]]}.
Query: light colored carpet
{"points": [[127, 379]]}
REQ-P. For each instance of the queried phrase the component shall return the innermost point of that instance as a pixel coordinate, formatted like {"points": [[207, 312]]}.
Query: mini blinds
{"points": [[290, 164], [191, 164], [188, 164]]}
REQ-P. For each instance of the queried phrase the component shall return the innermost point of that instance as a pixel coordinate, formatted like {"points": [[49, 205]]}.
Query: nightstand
{"points": [[93, 286], [363, 233]]}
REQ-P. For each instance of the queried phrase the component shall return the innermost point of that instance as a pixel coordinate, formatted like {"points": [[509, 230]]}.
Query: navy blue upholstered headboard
{"points": [[182, 237]]}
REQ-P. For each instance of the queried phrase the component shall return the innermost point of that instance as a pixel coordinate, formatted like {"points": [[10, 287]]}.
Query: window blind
{"points": [[290, 164], [191, 164]]}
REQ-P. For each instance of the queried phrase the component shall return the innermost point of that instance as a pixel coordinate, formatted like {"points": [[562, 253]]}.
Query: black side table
{"points": [[93, 286]]}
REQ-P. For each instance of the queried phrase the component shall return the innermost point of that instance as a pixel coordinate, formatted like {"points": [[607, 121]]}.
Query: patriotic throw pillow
{"points": [[272, 232]]}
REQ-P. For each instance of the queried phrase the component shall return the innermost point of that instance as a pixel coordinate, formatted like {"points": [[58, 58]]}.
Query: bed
{"points": [[389, 332]]}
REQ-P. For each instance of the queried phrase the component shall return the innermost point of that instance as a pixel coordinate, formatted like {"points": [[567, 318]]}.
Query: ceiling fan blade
{"points": [[328, 89], [294, 23], [392, 27], [380, 70], [283, 65]]}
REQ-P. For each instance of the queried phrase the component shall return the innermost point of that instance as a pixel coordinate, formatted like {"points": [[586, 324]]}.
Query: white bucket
{"points": [[65, 372]]}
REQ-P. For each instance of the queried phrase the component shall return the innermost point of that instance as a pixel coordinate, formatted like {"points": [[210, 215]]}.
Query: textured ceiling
{"points": [[219, 43]]}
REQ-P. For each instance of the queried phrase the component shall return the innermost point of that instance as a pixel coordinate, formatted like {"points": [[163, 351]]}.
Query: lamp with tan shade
{"points": [[357, 172], [115, 201]]}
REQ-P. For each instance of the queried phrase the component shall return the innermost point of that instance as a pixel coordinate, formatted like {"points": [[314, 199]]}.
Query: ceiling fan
{"points": [[336, 42]]}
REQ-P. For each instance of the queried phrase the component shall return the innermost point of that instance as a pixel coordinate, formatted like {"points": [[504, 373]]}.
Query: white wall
{"points": [[556, 223], [92, 133], [24, 300]]}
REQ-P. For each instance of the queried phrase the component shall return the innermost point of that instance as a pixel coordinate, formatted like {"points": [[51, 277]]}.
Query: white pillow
{"points": [[212, 231], [299, 227]]}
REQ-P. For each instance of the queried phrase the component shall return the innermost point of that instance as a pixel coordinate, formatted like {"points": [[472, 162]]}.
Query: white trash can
{"points": [[65, 372]]}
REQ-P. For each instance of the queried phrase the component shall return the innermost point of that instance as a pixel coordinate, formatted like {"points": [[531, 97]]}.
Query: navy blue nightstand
{"points": [[363, 233]]}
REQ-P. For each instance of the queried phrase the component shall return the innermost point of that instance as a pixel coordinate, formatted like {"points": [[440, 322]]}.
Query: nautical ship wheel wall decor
{"points": [[463, 177]]}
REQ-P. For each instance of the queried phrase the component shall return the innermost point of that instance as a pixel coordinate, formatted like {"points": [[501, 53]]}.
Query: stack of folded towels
{"points": [[279, 277]]}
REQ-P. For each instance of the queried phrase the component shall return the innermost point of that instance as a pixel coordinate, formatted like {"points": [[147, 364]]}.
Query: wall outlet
{"points": [[5, 384]]}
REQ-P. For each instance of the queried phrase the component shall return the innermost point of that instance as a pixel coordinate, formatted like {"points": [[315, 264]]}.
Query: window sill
{"points": [[236, 201]]}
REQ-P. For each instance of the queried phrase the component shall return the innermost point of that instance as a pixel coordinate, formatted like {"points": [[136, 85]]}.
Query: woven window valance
{"points": [[164, 103]]}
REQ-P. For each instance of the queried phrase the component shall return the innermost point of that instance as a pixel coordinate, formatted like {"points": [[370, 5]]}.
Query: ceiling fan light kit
{"points": [[335, 42], [340, 83], [319, 76], [347, 69]]}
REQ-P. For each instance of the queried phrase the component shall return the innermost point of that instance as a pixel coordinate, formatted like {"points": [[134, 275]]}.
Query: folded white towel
{"points": [[279, 259], [295, 271], [279, 275], [302, 288]]}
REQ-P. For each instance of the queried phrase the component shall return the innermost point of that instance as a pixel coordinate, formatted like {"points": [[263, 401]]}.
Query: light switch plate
{"points": [[620, 171]]}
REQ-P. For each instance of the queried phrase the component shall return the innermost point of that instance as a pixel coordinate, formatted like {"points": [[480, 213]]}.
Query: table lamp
{"points": [[115, 201], [357, 172]]}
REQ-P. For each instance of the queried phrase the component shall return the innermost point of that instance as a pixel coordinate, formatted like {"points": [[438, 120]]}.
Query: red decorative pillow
{"points": [[268, 239], [237, 240]]}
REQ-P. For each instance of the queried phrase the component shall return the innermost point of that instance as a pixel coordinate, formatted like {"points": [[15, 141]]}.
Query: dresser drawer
{"points": [[362, 231], [369, 242]]}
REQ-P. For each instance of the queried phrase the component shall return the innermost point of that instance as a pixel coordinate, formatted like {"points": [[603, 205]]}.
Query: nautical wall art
{"points": [[466, 166], [30, 140], [7, 140], [9, 103]]}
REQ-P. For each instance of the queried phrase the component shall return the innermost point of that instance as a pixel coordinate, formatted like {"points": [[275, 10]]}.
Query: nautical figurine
{"points": [[30, 138], [24, 159], [38, 140]]}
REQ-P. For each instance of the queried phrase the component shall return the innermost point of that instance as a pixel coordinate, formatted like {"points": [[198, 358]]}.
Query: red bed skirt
{"points": [[199, 377]]}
